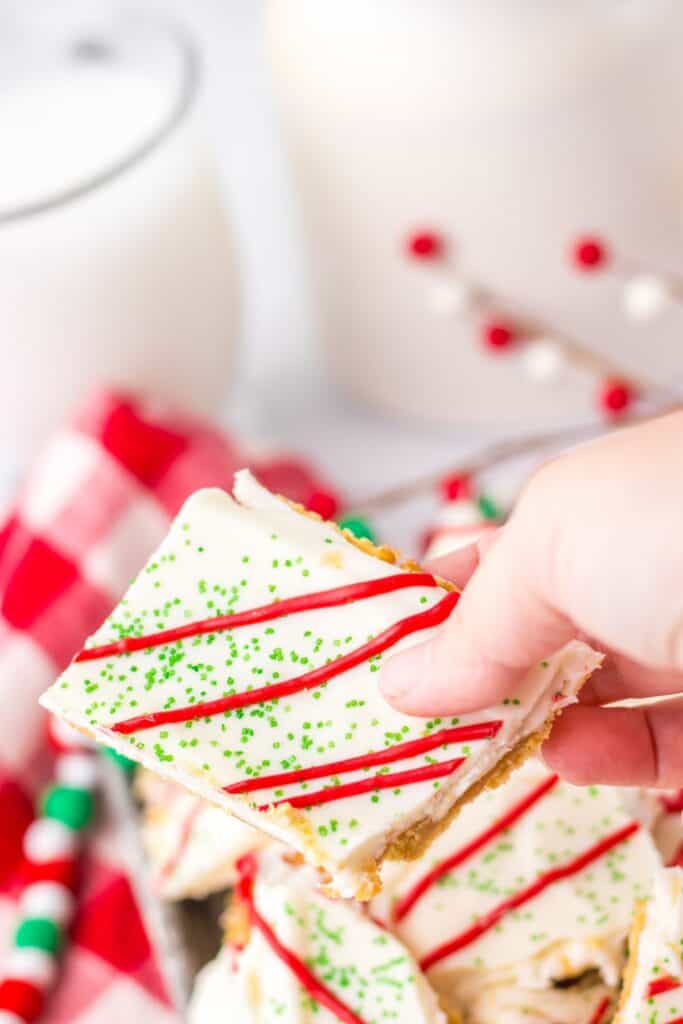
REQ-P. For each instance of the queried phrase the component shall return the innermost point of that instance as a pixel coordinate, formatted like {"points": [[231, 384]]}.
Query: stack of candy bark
{"points": [[386, 868]]}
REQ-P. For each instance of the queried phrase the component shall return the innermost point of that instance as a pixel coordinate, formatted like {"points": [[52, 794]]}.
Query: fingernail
{"points": [[401, 673]]}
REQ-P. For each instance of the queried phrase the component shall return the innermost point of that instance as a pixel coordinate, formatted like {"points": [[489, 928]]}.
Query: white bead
{"points": [[6, 1017], [543, 359], [461, 512], [46, 839], [32, 965], [64, 735], [450, 298], [47, 899], [645, 297], [77, 770]]}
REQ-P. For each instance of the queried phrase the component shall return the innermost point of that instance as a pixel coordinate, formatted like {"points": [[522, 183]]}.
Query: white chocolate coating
{"points": [[217, 986], [510, 1004], [192, 846], [577, 924], [657, 957], [364, 966], [223, 555]]}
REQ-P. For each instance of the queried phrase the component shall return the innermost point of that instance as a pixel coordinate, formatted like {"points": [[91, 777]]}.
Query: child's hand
{"points": [[595, 549]]}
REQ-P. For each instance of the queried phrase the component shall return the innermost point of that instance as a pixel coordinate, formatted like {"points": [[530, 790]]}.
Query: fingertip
{"points": [[562, 763], [397, 676], [456, 566], [612, 746], [459, 565], [407, 681], [437, 678], [566, 750], [498, 630]]}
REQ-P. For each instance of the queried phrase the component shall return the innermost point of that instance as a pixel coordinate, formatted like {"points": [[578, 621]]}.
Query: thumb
{"points": [[499, 628]]}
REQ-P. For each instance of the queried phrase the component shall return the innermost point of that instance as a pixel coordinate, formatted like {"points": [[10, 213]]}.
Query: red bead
{"points": [[456, 487], [615, 397], [324, 503], [65, 871], [497, 334], [588, 253], [677, 861], [425, 245], [672, 804], [21, 997]]}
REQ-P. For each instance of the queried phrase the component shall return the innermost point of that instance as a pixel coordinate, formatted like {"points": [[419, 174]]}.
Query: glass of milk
{"points": [[510, 127], [116, 260]]}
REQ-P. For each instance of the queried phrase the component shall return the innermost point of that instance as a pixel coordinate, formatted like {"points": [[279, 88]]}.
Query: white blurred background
{"points": [[282, 391], [285, 391]]}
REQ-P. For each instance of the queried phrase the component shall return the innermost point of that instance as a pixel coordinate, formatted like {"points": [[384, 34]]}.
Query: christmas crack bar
{"points": [[587, 1002], [242, 664], [192, 846], [653, 981], [533, 885], [294, 956]]}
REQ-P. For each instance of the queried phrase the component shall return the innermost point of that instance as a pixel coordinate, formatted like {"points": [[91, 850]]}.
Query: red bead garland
{"points": [[22, 998], [49, 871], [497, 334], [65, 871], [425, 245], [324, 503], [615, 398], [588, 253], [456, 487]]}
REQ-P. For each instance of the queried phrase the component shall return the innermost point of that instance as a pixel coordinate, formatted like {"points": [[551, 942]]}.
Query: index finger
{"points": [[459, 565]]}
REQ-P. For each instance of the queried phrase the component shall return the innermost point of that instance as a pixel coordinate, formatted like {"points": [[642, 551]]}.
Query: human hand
{"points": [[593, 549]]}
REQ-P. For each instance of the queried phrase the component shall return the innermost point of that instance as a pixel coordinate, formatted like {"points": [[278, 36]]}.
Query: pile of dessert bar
{"points": [[383, 868]]}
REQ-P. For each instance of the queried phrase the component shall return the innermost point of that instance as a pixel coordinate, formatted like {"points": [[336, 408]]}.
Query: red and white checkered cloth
{"points": [[94, 507]]}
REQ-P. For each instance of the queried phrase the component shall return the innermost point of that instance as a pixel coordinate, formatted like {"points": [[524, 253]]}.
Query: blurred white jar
{"points": [[116, 261], [510, 127]]}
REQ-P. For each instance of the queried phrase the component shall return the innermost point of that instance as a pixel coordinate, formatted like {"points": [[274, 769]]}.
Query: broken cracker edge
{"points": [[629, 974], [237, 928]]}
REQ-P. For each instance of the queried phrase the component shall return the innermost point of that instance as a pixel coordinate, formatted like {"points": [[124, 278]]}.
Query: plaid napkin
{"points": [[94, 506]]}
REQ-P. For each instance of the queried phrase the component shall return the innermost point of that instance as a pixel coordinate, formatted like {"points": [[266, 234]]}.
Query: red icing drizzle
{"points": [[664, 984], [171, 864], [398, 752], [332, 793], [308, 681], [489, 920], [600, 1011], [315, 988], [264, 613], [410, 898]]}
